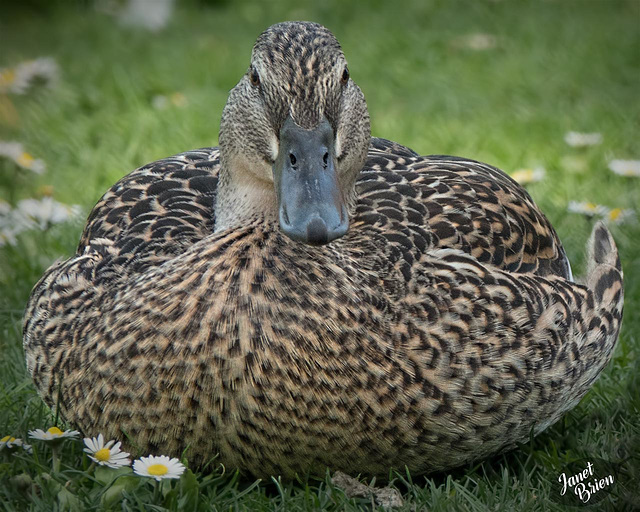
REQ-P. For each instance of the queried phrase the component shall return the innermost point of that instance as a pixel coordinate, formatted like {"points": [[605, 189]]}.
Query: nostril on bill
{"points": [[292, 159]]}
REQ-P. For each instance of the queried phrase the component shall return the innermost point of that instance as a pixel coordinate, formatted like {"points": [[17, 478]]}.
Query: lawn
{"points": [[497, 81]]}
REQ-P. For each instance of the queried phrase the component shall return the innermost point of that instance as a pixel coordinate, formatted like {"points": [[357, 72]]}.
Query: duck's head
{"points": [[294, 136]]}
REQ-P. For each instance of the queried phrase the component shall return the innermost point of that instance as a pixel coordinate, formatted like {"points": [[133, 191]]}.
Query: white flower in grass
{"points": [[46, 211], [108, 454], [12, 223], [153, 15], [18, 79], [15, 151], [159, 102], [477, 42], [526, 176], [11, 444], [587, 208], [177, 99], [609, 215], [619, 215], [31, 214], [629, 168], [53, 434], [577, 139], [158, 467]]}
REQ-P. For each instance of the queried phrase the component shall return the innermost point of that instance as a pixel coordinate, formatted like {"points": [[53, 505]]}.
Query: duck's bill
{"points": [[311, 205]]}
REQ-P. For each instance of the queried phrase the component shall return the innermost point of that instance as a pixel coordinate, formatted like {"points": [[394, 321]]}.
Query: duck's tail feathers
{"points": [[604, 272], [601, 315]]}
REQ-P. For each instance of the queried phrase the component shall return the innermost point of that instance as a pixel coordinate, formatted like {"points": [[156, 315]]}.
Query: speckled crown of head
{"points": [[301, 55], [301, 40]]}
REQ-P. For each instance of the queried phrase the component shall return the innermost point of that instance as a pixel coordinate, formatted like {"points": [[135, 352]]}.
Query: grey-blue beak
{"points": [[311, 207]]}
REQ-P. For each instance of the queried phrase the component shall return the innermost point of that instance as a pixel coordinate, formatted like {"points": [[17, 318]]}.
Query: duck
{"points": [[308, 297]]}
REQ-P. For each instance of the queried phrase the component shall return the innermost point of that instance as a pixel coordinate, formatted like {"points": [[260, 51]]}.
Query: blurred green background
{"points": [[501, 81]]}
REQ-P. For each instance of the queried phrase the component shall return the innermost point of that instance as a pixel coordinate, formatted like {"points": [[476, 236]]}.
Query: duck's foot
{"points": [[386, 497]]}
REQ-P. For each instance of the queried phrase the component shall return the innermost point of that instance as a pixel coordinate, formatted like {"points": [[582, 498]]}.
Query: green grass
{"points": [[557, 66]]}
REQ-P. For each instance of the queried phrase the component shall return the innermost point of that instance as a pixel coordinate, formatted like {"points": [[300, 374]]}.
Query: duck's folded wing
{"points": [[170, 199], [450, 202]]}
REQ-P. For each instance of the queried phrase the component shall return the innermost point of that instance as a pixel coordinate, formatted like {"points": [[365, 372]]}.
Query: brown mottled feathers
{"points": [[435, 201], [441, 329]]}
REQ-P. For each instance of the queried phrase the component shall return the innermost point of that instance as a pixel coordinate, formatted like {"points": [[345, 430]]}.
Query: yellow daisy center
{"points": [[158, 469], [55, 431], [7, 77], [25, 160], [45, 190], [178, 99], [7, 439], [615, 213], [103, 454]]}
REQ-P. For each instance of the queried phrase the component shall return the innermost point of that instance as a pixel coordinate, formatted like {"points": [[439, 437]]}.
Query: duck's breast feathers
{"points": [[451, 202]]}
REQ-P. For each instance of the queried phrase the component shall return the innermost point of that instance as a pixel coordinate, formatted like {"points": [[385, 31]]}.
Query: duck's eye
{"points": [[254, 77], [345, 76]]}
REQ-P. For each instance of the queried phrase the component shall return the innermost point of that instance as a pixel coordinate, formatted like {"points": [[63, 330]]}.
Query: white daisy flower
{"points": [[477, 42], [107, 454], [46, 211], [12, 223], [31, 214], [15, 151], [158, 467], [619, 215], [177, 99], [53, 434], [526, 176], [26, 161], [159, 102], [18, 79], [577, 139], [153, 15], [11, 444], [630, 168], [587, 208]]}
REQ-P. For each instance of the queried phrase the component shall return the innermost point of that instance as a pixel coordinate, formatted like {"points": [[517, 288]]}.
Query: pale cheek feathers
{"points": [[274, 145], [259, 168], [338, 144]]}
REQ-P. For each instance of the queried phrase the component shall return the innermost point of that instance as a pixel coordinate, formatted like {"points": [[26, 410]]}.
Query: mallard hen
{"points": [[306, 296]]}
